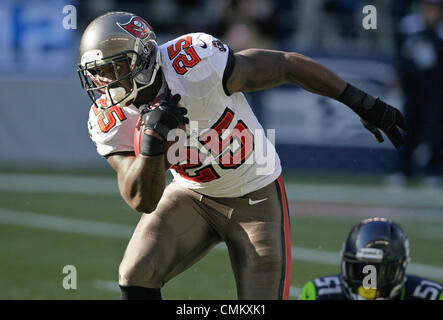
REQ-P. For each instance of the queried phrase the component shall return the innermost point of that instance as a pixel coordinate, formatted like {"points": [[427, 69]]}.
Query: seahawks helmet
{"points": [[119, 57], [383, 245]]}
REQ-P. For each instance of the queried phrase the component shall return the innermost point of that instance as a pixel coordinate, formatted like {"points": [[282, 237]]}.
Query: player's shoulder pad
{"points": [[323, 288], [308, 292], [204, 44], [105, 121], [197, 48], [329, 287], [418, 288], [112, 130], [195, 63]]}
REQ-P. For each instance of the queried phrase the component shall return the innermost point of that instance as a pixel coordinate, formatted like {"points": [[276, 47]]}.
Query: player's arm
{"points": [[257, 69], [141, 179]]}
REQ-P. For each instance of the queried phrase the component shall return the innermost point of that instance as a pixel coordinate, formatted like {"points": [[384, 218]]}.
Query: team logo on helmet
{"points": [[137, 27]]}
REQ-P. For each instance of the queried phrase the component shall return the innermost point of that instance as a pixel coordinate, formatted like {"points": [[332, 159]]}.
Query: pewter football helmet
{"points": [[119, 57]]}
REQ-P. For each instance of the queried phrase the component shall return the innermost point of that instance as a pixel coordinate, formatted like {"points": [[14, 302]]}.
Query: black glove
{"points": [[166, 117], [375, 114]]}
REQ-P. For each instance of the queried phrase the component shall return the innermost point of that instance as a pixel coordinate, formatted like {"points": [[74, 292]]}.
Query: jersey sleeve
{"points": [[219, 56], [196, 63], [112, 131], [308, 292]]}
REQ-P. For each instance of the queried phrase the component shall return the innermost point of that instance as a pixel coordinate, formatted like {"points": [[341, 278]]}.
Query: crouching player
{"points": [[380, 246]]}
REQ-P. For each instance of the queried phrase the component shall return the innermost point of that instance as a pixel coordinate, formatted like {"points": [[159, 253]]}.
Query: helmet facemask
{"points": [[119, 76], [390, 278]]}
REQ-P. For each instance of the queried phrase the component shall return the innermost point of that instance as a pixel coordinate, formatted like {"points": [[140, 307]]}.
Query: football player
{"points": [[219, 194], [382, 245]]}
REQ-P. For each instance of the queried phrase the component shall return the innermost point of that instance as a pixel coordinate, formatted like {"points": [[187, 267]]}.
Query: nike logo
{"points": [[204, 45], [252, 202]]}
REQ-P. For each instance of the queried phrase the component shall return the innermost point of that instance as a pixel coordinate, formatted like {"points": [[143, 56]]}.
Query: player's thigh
{"points": [[166, 241], [259, 244]]}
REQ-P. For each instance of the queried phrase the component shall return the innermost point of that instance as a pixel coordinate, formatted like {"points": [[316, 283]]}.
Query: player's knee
{"points": [[137, 273]]}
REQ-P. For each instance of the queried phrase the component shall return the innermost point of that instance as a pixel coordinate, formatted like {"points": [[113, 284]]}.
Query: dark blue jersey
{"points": [[331, 288]]}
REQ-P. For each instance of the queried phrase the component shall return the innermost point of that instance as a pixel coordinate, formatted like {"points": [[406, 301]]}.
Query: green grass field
{"points": [[49, 221]]}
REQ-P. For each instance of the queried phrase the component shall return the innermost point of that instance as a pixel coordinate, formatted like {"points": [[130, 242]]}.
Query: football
{"points": [[139, 133]]}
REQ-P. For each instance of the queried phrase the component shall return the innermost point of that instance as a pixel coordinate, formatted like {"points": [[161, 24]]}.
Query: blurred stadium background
{"points": [[59, 203]]}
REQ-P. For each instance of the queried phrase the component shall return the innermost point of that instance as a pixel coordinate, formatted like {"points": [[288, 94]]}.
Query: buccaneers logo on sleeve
{"points": [[138, 27], [218, 44]]}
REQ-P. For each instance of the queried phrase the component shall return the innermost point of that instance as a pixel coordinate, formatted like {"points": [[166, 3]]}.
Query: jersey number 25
{"points": [[183, 61]]}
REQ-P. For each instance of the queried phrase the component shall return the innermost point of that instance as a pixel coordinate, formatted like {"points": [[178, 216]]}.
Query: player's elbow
{"points": [[297, 66], [145, 207], [142, 204], [140, 197], [140, 200]]}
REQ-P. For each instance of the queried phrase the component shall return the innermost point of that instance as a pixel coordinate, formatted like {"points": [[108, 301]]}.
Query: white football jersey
{"points": [[228, 153]]}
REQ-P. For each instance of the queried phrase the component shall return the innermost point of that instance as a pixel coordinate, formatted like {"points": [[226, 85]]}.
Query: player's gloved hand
{"points": [[375, 114], [166, 117]]}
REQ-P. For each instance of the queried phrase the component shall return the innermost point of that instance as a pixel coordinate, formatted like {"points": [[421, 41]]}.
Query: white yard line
{"points": [[305, 192], [58, 183], [67, 225], [121, 231], [368, 195]]}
